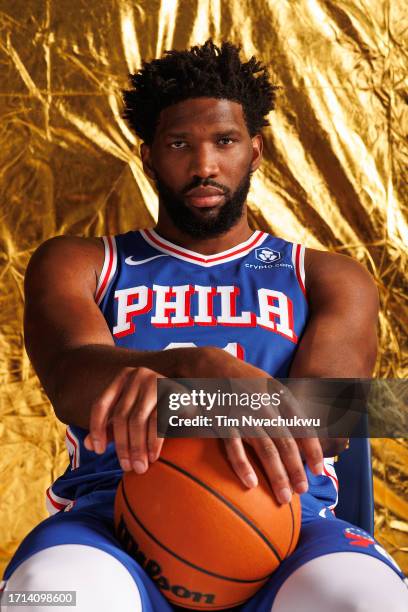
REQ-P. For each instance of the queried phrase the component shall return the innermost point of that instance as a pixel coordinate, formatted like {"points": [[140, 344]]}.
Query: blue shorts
{"points": [[90, 522]]}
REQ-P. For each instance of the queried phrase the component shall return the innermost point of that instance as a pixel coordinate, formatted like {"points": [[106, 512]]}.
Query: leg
{"points": [[100, 581], [342, 582], [335, 566], [78, 551]]}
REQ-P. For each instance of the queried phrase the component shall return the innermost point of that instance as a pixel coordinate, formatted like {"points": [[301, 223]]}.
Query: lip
{"points": [[205, 202], [205, 191], [203, 197]]}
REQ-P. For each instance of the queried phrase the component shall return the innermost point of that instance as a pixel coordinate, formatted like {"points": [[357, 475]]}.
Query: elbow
{"points": [[56, 395], [54, 385], [332, 447], [368, 359]]}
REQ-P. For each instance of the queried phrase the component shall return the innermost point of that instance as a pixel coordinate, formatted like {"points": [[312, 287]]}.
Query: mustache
{"points": [[205, 183]]}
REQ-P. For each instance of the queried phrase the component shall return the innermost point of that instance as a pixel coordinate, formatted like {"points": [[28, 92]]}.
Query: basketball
{"points": [[207, 541]]}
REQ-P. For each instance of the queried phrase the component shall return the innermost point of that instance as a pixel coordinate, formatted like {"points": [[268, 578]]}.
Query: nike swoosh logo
{"points": [[131, 262]]}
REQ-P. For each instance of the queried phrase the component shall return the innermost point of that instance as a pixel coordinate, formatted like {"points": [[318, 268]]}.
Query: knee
{"points": [[388, 602], [343, 582], [97, 578]]}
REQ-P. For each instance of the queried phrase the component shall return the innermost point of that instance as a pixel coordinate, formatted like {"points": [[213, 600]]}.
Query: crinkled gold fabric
{"points": [[333, 176]]}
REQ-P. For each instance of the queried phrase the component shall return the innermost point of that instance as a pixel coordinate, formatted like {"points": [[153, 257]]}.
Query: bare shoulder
{"points": [[339, 275], [76, 246], [67, 257]]}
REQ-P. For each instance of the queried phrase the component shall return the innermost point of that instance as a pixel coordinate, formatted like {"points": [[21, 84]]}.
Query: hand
{"points": [[280, 455], [126, 412], [281, 460]]}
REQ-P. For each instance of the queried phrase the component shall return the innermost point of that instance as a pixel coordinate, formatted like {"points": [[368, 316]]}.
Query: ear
{"points": [[257, 149], [145, 154]]}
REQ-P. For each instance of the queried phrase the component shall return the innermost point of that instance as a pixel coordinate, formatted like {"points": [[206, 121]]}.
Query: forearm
{"points": [[80, 375], [354, 365]]}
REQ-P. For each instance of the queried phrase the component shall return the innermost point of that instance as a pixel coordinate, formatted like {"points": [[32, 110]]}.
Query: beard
{"points": [[203, 223]]}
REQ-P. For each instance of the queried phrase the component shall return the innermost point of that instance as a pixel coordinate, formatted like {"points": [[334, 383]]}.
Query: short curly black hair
{"points": [[203, 71]]}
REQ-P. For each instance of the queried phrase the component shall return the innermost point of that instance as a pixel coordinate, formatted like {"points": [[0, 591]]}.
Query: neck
{"points": [[206, 246]]}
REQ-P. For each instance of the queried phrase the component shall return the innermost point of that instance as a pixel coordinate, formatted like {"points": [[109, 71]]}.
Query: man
{"points": [[100, 312]]}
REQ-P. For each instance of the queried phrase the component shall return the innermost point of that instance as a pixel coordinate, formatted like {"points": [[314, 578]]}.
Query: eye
{"points": [[224, 138], [178, 144]]}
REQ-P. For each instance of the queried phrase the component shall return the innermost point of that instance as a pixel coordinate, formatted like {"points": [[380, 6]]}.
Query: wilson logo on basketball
{"points": [[153, 569]]}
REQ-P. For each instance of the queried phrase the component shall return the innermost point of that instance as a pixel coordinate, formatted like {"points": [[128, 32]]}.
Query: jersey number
{"points": [[234, 348]]}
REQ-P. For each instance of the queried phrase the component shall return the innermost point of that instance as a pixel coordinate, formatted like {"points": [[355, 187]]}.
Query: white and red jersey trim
{"points": [[240, 250], [73, 448], [329, 470], [55, 503], [108, 269], [298, 259]]}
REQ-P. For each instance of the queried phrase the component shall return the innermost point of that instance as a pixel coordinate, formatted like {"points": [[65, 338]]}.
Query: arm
{"points": [[70, 344], [110, 390], [340, 340]]}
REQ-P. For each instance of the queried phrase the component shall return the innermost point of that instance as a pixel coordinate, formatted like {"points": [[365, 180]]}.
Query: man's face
{"points": [[201, 160]]}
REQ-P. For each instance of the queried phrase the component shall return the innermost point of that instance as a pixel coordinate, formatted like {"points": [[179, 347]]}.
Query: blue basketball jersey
{"points": [[249, 300]]}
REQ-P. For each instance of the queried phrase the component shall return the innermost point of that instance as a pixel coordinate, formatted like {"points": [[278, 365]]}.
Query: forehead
{"points": [[196, 112]]}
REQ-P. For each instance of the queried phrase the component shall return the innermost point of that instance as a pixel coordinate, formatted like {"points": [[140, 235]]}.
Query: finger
{"points": [[275, 470], [154, 444], [101, 408], [88, 443], [291, 459], [119, 420], [240, 462], [88, 440], [139, 417], [312, 453]]}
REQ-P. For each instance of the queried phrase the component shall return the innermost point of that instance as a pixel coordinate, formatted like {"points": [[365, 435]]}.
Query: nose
{"points": [[204, 162]]}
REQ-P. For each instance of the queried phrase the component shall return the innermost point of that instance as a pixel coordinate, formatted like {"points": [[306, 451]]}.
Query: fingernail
{"points": [[301, 487], [318, 468], [152, 457], [125, 465], [284, 496], [251, 480], [97, 446], [139, 467]]}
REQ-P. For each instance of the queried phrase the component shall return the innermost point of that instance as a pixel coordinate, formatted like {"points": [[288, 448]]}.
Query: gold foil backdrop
{"points": [[332, 177]]}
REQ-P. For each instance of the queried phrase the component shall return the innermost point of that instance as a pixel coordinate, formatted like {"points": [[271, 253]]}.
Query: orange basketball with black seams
{"points": [[207, 541]]}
